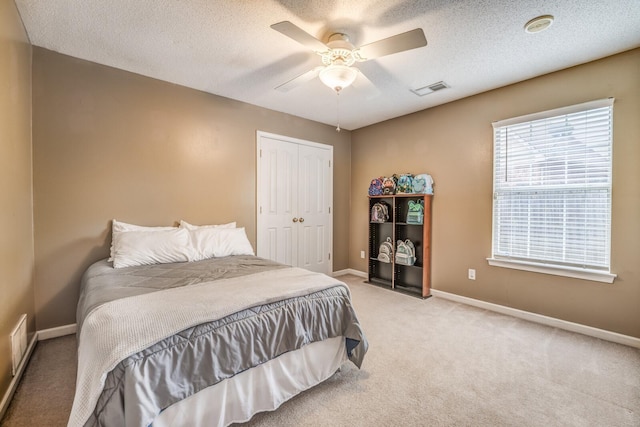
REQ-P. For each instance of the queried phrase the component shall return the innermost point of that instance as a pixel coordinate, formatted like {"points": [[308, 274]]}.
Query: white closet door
{"points": [[295, 181], [278, 192], [314, 208]]}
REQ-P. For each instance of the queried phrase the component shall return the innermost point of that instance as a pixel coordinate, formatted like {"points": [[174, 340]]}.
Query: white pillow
{"points": [[219, 242], [151, 247], [185, 224], [119, 227]]}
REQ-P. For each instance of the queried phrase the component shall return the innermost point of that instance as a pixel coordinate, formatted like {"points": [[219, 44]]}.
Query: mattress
{"points": [[153, 336]]}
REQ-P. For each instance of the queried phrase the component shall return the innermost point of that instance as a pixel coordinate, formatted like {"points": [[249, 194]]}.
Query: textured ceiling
{"points": [[227, 47]]}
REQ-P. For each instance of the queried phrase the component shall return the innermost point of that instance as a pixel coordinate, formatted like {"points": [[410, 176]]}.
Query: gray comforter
{"points": [[102, 283], [146, 382]]}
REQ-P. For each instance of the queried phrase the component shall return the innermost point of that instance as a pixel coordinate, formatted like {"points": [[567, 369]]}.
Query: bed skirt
{"points": [[237, 399]]}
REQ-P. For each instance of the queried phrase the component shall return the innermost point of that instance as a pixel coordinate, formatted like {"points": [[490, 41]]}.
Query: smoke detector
{"points": [[538, 24]]}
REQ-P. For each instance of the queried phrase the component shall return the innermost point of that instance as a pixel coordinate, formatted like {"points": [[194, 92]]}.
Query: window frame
{"points": [[560, 269]]}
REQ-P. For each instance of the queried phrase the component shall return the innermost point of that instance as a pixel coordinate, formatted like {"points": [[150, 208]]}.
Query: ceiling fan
{"points": [[338, 54]]}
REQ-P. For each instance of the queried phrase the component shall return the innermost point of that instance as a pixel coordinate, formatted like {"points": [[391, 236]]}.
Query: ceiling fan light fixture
{"points": [[338, 76]]}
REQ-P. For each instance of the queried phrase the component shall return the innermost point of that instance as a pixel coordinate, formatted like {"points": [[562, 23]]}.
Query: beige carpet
{"points": [[45, 393], [430, 363]]}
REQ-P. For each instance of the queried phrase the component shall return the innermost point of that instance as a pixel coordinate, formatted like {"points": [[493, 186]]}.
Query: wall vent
{"points": [[18, 343], [426, 90]]}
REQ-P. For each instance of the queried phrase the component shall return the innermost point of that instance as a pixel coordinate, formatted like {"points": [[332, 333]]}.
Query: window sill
{"points": [[577, 273]]}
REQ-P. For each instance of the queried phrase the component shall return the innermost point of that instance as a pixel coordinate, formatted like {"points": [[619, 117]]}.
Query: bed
{"points": [[218, 339]]}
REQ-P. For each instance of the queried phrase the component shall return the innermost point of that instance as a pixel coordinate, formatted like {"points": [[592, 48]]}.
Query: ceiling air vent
{"points": [[426, 90]]}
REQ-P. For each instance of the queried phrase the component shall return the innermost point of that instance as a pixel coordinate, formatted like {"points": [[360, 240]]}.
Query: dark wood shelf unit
{"points": [[411, 279]]}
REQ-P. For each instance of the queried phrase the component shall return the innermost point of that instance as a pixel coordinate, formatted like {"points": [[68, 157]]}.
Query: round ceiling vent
{"points": [[538, 24]]}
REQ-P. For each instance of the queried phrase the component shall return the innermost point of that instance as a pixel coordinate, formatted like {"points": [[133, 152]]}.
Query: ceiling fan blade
{"points": [[398, 43], [297, 81], [364, 85], [298, 34]]}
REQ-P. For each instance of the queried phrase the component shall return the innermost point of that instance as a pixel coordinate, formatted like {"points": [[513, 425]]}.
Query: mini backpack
{"points": [[379, 212], [405, 252], [423, 183], [415, 213], [405, 184], [385, 253], [375, 187], [389, 185]]}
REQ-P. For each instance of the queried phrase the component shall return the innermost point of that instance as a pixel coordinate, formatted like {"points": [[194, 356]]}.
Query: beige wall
{"points": [[112, 144], [16, 219], [453, 142]]}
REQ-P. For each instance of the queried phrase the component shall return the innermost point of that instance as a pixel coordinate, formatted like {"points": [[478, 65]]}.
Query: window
{"points": [[552, 191]]}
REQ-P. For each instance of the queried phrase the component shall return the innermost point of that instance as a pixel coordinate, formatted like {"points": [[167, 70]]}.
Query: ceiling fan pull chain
{"points": [[338, 108]]}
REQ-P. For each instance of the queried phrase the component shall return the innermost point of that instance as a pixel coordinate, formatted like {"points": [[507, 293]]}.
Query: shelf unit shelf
{"points": [[410, 279]]}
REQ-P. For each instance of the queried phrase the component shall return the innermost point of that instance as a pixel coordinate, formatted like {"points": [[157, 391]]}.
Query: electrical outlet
{"points": [[472, 274], [362, 254]]}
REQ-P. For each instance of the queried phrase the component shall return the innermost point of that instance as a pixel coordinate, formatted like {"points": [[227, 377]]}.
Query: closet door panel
{"points": [[314, 207], [278, 202]]}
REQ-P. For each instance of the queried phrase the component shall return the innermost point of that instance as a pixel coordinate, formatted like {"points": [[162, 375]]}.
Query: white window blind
{"points": [[552, 187]]}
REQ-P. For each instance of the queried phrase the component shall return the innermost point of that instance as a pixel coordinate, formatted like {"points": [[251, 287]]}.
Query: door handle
{"points": [[301, 219], [295, 219]]}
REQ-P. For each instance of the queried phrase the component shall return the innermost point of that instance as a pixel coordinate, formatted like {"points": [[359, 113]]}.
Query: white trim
{"points": [[290, 139], [599, 103], [350, 271], [544, 320], [13, 385], [60, 331], [576, 273]]}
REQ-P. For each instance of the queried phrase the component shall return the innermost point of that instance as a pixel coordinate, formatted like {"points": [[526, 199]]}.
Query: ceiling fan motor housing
{"points": [[340, 51]]}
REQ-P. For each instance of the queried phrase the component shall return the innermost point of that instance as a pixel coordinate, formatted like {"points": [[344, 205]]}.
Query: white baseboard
{"points": [[60, 331], [545, 320], [350, 271], [13, 385]]}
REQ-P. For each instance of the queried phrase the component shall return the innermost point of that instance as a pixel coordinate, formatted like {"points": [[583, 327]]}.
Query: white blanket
{"points": [[116, 330]]}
